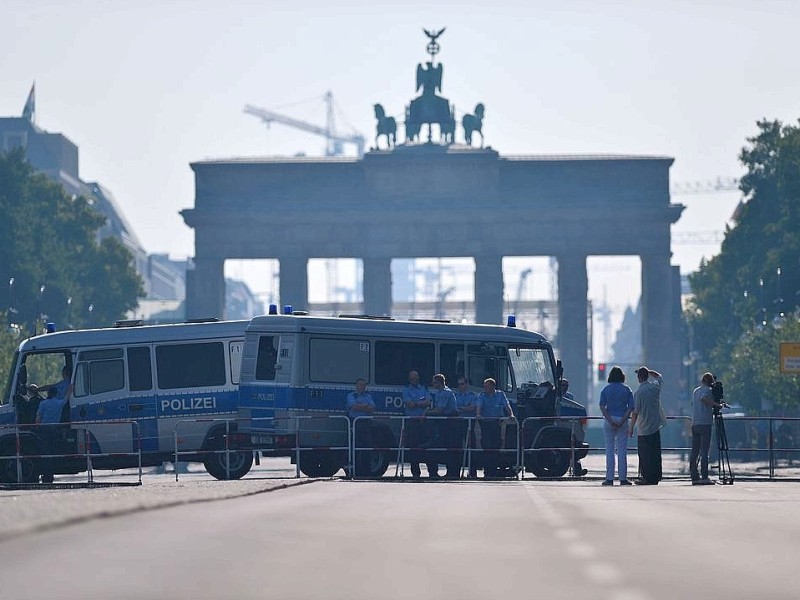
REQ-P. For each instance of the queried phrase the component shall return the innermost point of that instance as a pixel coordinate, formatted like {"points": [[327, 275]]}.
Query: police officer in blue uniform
{"points": [[360, 404], [492, 406], [467, 405], [447, 431], [416, 401]]}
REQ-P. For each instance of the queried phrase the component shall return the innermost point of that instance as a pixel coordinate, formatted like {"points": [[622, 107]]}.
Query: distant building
{"points": [[164, 279]]}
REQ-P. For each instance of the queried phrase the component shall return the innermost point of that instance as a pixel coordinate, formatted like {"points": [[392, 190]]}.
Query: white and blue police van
{"points": [[297, 371], [158, 376]]}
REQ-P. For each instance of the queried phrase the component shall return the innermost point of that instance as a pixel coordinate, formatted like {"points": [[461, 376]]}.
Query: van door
{"points": [[100, 394], [283, 365]]}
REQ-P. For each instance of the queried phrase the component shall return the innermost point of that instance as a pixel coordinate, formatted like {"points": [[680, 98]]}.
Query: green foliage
{"points": [[754, 377], [50, 240], [740, 288]]}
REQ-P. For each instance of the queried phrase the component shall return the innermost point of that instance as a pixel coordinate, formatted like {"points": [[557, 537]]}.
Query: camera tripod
{"points": [[723, 458]]}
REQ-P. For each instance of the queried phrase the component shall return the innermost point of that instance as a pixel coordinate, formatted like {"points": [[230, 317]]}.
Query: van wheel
{"points": [[374, 463], [548, 463], [550, 460], [319, 464], [216, 463], [28, 471]]}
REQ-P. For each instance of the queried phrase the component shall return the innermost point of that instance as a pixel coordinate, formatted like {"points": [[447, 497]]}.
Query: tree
{"points": [[51, 257], [742, 288], [754, 376]]}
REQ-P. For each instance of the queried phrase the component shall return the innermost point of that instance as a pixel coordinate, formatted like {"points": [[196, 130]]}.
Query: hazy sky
{"points": [[144, 88]]}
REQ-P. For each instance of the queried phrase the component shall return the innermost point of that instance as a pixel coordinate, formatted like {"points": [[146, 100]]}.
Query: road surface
{"points": [[454, 540]]}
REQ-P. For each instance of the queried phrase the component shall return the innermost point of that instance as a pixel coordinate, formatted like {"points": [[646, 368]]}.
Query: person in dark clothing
{"points": [[48, 417], [28, 405]]}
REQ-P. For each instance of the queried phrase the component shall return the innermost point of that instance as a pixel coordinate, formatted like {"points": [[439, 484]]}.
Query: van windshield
{"points": [[531, 365]]}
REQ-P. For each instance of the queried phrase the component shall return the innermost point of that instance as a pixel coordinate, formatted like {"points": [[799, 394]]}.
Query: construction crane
{"points": [[720, 184], [523, 276], [335, 140]]}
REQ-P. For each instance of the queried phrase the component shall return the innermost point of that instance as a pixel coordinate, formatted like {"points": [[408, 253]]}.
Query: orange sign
{"points": [[790, 358]]}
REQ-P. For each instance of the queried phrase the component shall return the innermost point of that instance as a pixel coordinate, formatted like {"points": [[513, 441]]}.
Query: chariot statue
{"points": [[429, 108]]}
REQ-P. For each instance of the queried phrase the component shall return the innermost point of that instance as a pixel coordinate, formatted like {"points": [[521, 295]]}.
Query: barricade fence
{"points": [[48, 449], [757, 447], [227, 439], [460, 444], [368, 447]]}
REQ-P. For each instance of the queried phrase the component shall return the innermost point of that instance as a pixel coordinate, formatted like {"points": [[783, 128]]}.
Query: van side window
{"points": [[235, 355], [190, 365], [490, 361], [393, 361], [338, 361], [267, 356], [140, 373], [99, 371], [452, 364]]}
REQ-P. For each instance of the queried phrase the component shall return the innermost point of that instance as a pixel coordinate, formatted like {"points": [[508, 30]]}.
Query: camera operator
{"points": [[703, 407]]}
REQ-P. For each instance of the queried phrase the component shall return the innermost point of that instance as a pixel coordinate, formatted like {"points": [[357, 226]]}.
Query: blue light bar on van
{"points": [[273, 309], [287, 309], [50, 327], [512, 321]]}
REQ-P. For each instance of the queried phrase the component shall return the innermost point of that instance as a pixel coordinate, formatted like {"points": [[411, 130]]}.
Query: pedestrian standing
{"points": [[616, 404], [648, 417], [703, 405]]}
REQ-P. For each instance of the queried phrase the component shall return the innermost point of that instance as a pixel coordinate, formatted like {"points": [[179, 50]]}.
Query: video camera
{"points": [[718, 393]]}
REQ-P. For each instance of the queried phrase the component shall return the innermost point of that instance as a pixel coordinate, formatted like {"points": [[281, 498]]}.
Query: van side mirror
{"points": [[559, 369]]}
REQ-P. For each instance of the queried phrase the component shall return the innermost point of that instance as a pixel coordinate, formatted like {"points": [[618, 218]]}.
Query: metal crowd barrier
{"points": [[301, 426], [306, 428], [755, 445], [465, 448], [83, 448]]}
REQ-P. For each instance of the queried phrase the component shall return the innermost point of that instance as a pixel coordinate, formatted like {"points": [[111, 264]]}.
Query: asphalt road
{"points": [[454, 540]]}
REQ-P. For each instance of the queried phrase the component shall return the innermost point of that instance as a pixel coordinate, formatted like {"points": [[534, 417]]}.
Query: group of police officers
{"points": [[430, 440]]}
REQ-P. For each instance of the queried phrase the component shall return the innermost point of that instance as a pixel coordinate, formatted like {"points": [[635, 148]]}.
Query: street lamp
{"points": [[780, 319], [42, 288], [763, 323], [11, 303]]}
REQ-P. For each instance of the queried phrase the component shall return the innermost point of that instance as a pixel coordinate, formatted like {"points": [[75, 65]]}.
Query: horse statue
{"points": [[447, 129], [412, 128], [473, 123], [386, 126]]}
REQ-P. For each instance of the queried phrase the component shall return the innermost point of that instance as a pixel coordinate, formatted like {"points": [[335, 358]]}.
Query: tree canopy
{"points": [[55, 266], [741, 293]]}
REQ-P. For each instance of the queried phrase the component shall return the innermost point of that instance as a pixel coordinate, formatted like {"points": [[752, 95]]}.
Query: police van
{"points": [[297, 371], [158, 376]]}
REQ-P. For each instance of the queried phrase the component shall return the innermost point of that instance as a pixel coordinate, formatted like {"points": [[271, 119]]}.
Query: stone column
{"points": [[573, 337], [489, 289], [293, 282], [377, 286], [205, 289], [661, 324]]}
